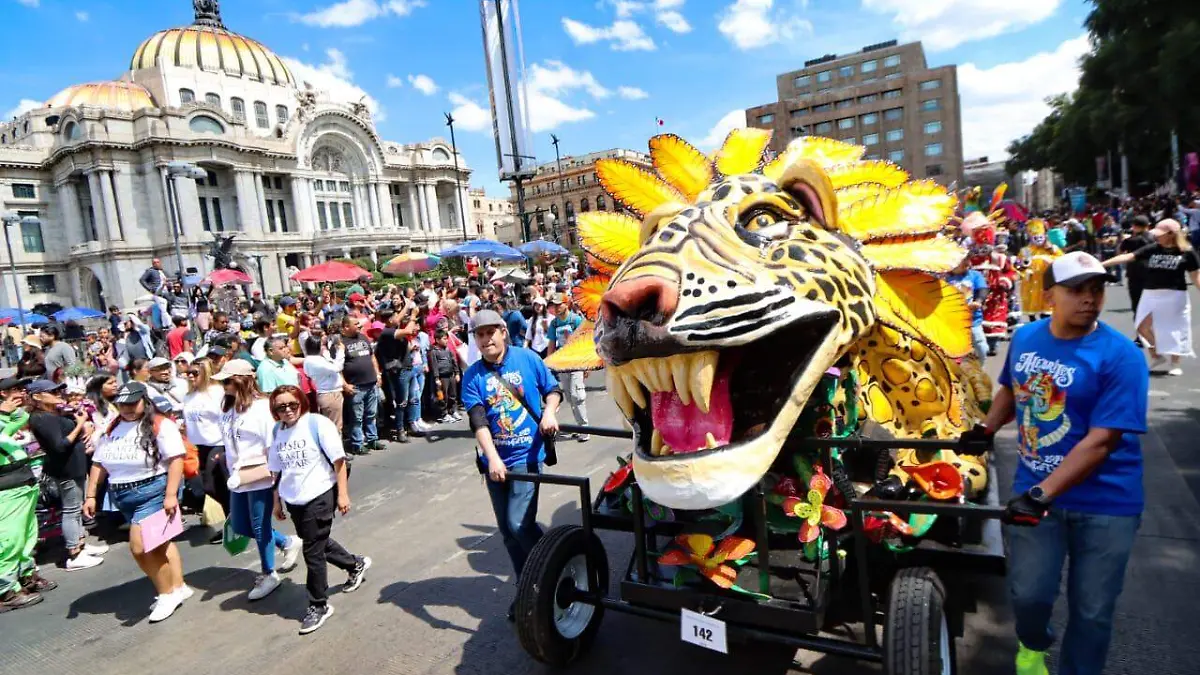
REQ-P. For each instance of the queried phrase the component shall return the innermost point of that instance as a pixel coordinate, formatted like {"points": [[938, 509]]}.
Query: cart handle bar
{"points": [[929, 508]]}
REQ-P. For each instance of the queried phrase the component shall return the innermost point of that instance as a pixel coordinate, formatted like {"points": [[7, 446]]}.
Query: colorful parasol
{"points": [[413, 262], [334, 270], [228, 276]]}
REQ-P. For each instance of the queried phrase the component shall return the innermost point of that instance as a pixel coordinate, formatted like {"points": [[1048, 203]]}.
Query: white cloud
{"points": [[624, 35], [356, 12], [468, 114], [674, 21], [82, 16], [30, 3], [1007, 101], [632, 93], [556, 78], [627, 8], [942, 24], [23, 106], [336, 80], [734, 119], [393, 81], [750, 24], [666, 12], [423, 84]]}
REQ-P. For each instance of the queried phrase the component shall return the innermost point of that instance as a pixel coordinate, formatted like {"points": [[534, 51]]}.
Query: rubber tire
{"points": [[912, 630], [536, 595]]}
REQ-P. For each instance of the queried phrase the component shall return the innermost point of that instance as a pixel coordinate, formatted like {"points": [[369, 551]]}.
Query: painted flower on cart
{"points": [[813, 509], [710, 558]]}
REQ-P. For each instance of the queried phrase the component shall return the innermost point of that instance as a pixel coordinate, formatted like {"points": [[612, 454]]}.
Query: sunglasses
{"points": [[193, 373], [287, 407]]}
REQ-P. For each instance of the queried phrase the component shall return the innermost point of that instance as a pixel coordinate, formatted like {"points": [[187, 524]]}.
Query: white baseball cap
{"points": [[1074, 269]]}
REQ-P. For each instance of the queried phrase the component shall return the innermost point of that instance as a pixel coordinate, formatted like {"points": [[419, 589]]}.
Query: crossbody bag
{"points": [[547, 441], [16, 473]]}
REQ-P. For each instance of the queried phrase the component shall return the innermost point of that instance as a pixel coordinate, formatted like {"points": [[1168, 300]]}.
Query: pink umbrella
{"points": [[334, 270], [228, 276]]}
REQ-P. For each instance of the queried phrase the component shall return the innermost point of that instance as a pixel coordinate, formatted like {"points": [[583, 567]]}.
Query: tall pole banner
{"points": [[506, 86]]}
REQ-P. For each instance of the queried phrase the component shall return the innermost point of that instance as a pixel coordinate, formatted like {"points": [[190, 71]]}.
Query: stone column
{"points": [[302, 205], [284, 281], [463, 204], [261, 201], [368, 193], [73, 223], [346, 252], [383, 194], [109, 203], [247, 197], [375, 257], [415, 208], [187, 198], [431, 204], [98, 212], [126, 212]]}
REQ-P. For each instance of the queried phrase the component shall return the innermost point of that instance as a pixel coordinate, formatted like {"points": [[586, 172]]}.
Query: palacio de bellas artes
{"points": [[212, 127]]}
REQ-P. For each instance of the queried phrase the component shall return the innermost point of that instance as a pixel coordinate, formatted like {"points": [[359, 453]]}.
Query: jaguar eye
{"points": [[766, 223]]}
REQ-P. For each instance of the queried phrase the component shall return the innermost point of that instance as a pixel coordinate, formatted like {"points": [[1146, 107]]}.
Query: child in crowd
{"points": [[443, 368]]}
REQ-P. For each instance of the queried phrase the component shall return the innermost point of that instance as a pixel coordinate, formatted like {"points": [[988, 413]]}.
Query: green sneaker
{"points": [[1030, 662]]}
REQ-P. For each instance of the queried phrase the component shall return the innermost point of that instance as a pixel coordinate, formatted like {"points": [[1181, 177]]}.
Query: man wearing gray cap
{"points": [[511, 399]]}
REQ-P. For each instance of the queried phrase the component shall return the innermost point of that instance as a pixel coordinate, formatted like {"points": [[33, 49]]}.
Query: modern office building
{"points": [[297, 175], [884, 97]]}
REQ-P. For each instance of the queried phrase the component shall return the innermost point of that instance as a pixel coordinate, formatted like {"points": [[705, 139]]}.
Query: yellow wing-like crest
{"points": [[600, 266], [920, 207], [873, 171], [931, 308], [579, 354], [610, 237], [742, 151], [931, 254], [588, 293], [848, 196], [634, 186], [681, 164], [826, 152]]}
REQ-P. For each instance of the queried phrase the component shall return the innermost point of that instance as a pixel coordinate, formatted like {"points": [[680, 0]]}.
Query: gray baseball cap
{"points": [[486, 317]]}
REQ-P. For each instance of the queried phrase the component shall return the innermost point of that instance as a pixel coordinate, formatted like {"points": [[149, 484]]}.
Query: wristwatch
{"points": [[1037, 494]]}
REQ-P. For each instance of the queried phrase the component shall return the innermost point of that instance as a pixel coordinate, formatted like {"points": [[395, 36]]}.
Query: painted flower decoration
{"points": [[708, 557], [813, 509]]}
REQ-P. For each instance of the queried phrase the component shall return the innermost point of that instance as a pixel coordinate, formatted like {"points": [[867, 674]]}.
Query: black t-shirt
{"points": [[359, 369], [1166, 268], [1134, 270], [64, 459], [390, 350]]}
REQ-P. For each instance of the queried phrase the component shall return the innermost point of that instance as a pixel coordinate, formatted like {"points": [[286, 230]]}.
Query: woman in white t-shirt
{"points": [[202, 425], [539, 325], [142, 457], [306, 456], [246, 427]]}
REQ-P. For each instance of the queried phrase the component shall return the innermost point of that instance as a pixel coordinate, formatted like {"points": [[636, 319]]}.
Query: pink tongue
{"points": [[683, 427]]}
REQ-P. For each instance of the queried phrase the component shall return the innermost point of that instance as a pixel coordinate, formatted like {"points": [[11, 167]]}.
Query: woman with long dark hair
{"points": [[247, 427], [202, 423], [142, 458], [307, 460], [537, 336]]}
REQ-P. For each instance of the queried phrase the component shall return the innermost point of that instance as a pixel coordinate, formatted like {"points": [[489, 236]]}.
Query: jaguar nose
{"points": [[649, 299]]}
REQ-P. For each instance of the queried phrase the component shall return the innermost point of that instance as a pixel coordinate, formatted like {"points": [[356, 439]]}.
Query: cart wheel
{"points": [[552, 628], [916, 635]]}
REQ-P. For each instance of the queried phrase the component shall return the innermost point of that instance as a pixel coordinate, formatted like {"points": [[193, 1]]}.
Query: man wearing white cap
{"points": [[1078, 390]]}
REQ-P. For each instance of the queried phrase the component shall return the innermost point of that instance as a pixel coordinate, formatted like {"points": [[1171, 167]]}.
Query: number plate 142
{"points": [[702, 631]]}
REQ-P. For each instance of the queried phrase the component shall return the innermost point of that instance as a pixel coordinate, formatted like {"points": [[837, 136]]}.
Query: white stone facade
{"points": [[316, 182], [492, 218]]}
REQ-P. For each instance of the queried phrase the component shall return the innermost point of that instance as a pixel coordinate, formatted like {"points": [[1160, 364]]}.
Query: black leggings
{"points": [[213, 474]]}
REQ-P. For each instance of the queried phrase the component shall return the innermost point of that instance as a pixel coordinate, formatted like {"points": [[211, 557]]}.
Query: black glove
{"points": [[1024, 510], [976, 441]]}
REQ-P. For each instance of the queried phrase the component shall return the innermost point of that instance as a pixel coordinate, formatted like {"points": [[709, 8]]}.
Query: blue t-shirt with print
{"points": [[970, 283], [561, 329], [515, 433], [1063, 389]]}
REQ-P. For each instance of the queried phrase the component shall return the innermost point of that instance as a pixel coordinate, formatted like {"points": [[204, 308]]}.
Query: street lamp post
{"points": [[9, 220], [262, 284], [174, 170], [561, 188], [462, 209]]}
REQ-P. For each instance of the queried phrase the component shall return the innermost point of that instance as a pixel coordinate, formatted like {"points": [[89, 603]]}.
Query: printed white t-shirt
{"points": [[247, 437], [202, 416], [122, 457], [296, 456]]}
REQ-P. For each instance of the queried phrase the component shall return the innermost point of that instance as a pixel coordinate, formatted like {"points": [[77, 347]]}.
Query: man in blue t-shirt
{"points": [[509, 427], [1078, 391], [975, 288]]}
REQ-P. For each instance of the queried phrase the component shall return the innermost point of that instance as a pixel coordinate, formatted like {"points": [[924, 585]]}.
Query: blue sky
{"points": [[600, 71]]}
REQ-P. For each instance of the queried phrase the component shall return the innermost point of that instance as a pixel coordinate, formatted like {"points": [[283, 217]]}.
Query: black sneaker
{"points": [[377, 445], [315, 617], [18, 599], [358, 576]]}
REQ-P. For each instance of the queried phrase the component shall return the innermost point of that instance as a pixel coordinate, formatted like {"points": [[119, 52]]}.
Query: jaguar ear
{"points": [[653, 219], [804, 180]]}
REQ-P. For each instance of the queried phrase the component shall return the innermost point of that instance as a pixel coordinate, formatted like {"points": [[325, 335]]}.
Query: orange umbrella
{"points": [[334, 270]]}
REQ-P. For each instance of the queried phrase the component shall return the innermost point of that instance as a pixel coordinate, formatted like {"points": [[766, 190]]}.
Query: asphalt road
{"points": [[434, 601]]}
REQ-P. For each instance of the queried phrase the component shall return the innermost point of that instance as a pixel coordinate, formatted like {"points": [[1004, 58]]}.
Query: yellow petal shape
{"points": [[826, 152], [932, 308], [609, 237], [600, 266], [579, 354], [699, 545], [732, 549], [742, 151], [588, 293], [932, 254], [998, 196], [681, 164], [848, 196], [873, 171], [635, 186], [920, 207]]}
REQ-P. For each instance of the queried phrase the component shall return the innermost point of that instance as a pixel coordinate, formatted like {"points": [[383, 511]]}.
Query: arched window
{"points": [[213, 99], [554, 209], [72, 131], [203, 124], [600, 203], [281, 114], [4, 139], [239, 108], [441, 155], [260, 115], [583, 205], [570, 212], [186, 96]]}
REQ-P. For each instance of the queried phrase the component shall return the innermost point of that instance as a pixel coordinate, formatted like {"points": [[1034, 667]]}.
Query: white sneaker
{"points": [[184, 592], [1175, 372], [166, 606], [263, 586], [1157, 363], [95, 549], [291, 554], [83, 561]]}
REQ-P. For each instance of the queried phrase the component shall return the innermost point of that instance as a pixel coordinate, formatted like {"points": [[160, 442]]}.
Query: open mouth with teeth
{"points": [[710, 423]]}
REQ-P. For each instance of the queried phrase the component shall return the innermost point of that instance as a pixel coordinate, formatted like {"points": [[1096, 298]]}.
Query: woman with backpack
{"points": [[141, 455], [246, 427], [311, 475]]}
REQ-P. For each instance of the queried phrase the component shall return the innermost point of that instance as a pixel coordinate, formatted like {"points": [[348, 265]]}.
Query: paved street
{"points": [[434, 601]]}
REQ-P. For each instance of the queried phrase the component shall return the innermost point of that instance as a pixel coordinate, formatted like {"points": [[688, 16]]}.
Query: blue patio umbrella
{"points": [[77, 314], [483, 248], [29, 318], [541, 247]]}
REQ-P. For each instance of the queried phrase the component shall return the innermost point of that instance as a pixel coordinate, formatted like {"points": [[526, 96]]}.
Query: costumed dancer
{"points": [[1001, 277], [1034, 259], [1004, 241]]}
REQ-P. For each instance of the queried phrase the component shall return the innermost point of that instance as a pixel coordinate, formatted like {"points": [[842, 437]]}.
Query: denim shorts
{"points": [[139, 500]]}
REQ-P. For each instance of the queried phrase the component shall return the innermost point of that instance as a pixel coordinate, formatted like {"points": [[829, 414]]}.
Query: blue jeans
{"points": [[399, 383], [250, 513], [364, 406], [415, 390], [1098, 547], [515, 504], [979, 341], [70, 491]]}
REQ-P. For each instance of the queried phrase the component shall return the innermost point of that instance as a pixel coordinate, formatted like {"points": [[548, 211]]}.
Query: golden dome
{"points": [[215, 49], [118, 95]]}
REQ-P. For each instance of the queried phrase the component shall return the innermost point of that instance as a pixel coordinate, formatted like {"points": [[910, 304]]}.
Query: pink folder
{"points": [[157, 529]]}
